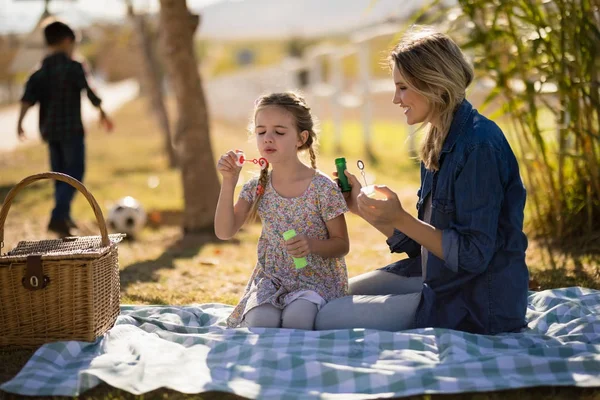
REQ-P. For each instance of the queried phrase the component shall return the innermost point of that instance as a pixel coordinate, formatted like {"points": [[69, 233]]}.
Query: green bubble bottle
{"points": [[298, 262], [340, 165]]}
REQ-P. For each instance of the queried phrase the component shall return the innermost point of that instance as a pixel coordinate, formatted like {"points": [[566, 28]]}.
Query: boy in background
{"points": [[57, 86]]}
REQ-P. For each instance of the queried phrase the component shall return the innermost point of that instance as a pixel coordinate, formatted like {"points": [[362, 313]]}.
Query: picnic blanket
{"points": [[188, 349]]}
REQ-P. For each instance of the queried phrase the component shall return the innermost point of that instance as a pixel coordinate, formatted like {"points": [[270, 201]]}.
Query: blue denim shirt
{"points": [[477, 201]]}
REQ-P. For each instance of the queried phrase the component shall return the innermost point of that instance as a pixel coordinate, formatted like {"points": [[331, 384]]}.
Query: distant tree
{"points": [[152, 78], [192, 140]]}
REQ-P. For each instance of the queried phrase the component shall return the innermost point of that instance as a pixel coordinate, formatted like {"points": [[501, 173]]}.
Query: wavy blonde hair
{"points": [[294, 104], [435, 67]]}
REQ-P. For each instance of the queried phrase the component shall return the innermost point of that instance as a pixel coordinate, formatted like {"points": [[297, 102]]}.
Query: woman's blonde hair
{"points": [[294, 104], [435, 67]]}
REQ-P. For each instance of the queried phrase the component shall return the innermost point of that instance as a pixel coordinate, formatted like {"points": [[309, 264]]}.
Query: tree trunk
{"points": [[192, 141], [152, 78]]}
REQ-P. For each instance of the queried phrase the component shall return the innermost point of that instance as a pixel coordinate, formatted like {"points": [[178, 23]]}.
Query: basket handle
{"points": [[59, 177]]}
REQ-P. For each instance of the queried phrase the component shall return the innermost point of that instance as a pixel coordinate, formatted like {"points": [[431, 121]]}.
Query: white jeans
{"points": [[378, 300]]}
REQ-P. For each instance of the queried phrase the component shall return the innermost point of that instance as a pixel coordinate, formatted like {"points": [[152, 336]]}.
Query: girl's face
{"points": [[416, 106], [277, 137]]}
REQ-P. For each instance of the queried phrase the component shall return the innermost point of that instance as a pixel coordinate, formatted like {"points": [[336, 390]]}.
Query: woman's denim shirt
{"points": [[477, 201]]}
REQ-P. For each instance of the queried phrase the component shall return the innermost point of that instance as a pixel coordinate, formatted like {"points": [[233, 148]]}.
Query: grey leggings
{"points": [[299, 314], [378, 300]]}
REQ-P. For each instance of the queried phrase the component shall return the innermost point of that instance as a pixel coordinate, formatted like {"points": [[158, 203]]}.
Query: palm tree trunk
{"points": [[192, 141]]}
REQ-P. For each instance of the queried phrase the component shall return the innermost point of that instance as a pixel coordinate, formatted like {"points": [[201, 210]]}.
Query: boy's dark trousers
{"points": [[66, 156]]}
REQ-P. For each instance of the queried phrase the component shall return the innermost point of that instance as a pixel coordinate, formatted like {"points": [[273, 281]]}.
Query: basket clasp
{"points": [[34, 273]]}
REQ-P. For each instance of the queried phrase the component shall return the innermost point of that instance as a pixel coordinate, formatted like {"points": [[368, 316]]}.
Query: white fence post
{"points": [[364, 64], [336, 74], [332, 88]]}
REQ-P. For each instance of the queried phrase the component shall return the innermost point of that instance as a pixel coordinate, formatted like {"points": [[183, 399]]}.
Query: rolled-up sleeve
{"points": [[400, 243], [469, 242]]}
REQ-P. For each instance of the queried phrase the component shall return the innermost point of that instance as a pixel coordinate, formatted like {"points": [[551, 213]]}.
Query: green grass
{"points": [[162, 268]]}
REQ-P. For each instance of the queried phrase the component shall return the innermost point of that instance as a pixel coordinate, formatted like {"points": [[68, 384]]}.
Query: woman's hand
{"points": [[382, 212], [228, 168], [298, 246], [353, 194]]}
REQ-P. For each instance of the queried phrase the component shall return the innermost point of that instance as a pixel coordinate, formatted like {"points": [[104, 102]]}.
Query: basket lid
{"points": [[65, 248]]}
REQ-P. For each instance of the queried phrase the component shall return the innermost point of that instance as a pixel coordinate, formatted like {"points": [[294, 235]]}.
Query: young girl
{"points": [[291, 196]]}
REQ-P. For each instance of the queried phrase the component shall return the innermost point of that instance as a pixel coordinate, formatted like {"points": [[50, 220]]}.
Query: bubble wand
{"points": [[262, 162], [241, 159], [369, 190]]}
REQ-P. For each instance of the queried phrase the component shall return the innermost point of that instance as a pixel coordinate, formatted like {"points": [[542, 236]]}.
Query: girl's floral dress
{"points": [[275, 280]]}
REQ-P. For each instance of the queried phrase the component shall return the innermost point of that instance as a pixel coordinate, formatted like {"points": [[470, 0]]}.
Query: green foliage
{"points": [[544, 56]]}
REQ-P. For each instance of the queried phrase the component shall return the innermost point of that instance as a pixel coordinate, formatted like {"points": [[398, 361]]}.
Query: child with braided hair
{"points": [[289, 195]]}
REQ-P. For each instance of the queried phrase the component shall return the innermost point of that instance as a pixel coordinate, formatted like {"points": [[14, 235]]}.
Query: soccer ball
{"points": [[127, 216]]}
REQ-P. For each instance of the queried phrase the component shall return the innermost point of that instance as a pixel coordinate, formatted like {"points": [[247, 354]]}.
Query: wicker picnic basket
{"points": [[61, 289]]}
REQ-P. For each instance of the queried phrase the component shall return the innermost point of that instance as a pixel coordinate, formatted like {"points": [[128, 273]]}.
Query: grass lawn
{"points": [[161, 268]]}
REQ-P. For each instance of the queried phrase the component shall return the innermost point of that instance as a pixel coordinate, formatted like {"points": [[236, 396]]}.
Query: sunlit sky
{"points": [[225, 19], [22, 15]]}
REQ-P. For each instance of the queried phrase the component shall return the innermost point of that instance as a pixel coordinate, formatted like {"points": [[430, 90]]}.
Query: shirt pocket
{"points": [[442, 212]]}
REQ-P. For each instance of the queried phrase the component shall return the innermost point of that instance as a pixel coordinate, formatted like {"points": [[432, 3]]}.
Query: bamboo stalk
{"points": [[554, 41]]}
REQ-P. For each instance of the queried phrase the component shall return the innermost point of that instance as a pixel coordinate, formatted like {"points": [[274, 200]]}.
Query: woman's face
{"points": [[415, 105]]}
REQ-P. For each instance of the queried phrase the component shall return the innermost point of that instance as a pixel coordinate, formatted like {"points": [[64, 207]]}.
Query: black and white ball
{"points": [[127, 216]]}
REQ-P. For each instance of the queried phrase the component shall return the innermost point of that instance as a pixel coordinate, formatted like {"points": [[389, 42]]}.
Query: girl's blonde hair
{"points": [[435, 67], [294, 104]]}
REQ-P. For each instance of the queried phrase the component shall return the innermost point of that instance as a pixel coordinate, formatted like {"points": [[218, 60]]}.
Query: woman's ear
{"points": [[303, 138]]}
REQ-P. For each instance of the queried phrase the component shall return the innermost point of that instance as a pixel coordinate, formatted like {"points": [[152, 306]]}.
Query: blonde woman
{"points": [[466, 268]]}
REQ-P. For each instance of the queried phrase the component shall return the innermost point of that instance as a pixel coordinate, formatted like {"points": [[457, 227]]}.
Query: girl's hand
{"points": [[388, 211], [228, 168], [298, 246], [353, 194]]}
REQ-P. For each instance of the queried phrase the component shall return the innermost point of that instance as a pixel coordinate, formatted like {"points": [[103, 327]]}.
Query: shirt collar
{"points": [[55, 57], [461, 116]]}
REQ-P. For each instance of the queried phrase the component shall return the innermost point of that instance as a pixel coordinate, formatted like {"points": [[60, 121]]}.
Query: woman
{"points": [[466, 268]]}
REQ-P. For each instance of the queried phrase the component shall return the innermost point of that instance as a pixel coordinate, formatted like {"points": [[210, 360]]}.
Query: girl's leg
{"points": [[382, 282], [299, 314], [263, 316], [386, 313]]}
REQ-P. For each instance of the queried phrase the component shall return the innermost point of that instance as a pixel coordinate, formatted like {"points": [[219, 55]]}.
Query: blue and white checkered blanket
{"points": [[188, 349]]}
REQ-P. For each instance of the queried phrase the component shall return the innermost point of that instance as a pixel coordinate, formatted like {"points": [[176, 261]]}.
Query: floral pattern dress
{"points": [[275, 280]]}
